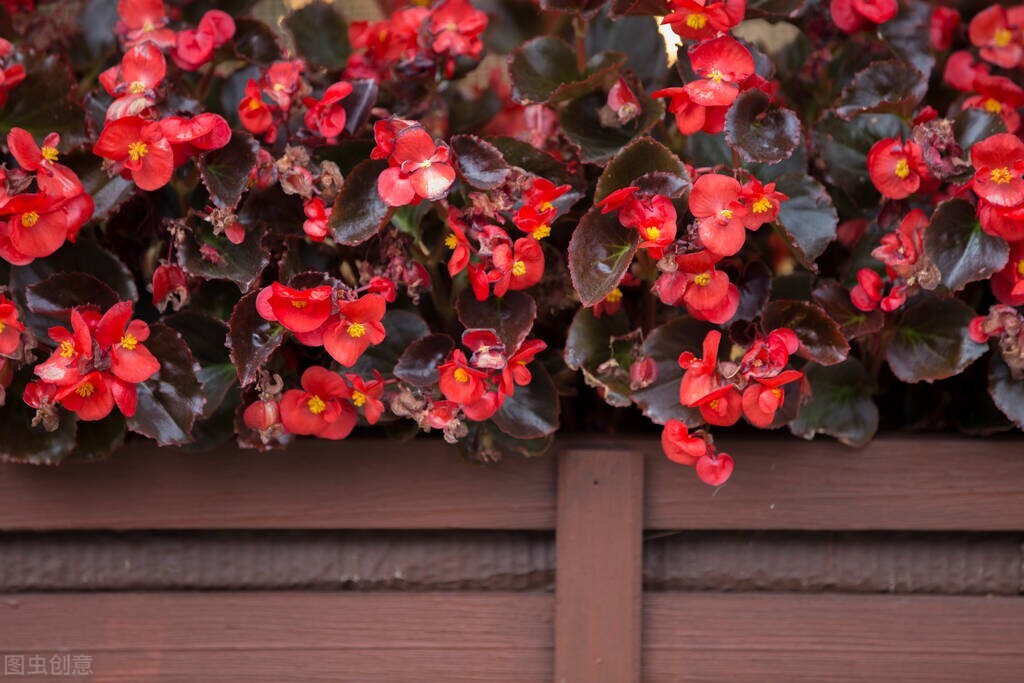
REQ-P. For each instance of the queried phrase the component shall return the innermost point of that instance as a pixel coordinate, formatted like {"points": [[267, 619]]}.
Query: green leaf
{"points": [[588, 349], [479, 162], [853, 322], [1006, 389], [207, 338], [209, 256], [108, 193], [359, 212], [755, 286], [225, 171], [660, 400], [42, 104], [638, 158], [761, 131], [511, 316], [539, 67], [909, 36], [844, 145], [890, 87], [359, 103], [319, 34], [486, 443], [821, 340], [255, 42], [172, 400], [251, 339], [418, 365], [931, 341], [840, 404], [959, 248], [807, 219], [532, 411], [638, 38], [600, 252], [21, 442]]}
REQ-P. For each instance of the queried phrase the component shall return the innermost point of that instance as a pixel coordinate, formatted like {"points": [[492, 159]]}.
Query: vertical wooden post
{"points": [[599, 581]]}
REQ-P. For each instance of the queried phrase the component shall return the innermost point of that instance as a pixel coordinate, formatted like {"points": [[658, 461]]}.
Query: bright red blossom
{"points": [[998, 166], [896, 168], [853, 15], [357, 327], [321, 408], [722, 64], [715, 202], [298, 310], [140, 149], [327, 115], [419, 169]]}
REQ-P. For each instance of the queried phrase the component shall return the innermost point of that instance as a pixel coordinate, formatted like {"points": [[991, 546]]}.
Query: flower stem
{"points": [[579, 26]]}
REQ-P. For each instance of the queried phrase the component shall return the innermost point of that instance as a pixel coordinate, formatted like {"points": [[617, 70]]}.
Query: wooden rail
{"points": [[599, 627]]}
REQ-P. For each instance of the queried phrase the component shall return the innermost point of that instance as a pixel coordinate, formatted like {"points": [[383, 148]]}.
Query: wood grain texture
{"points": [[599, 585], [278, 637], [926, 483], [767, 638]]}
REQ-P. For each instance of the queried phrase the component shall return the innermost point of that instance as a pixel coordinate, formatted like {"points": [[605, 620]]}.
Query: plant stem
{"points": [[579, 26]]}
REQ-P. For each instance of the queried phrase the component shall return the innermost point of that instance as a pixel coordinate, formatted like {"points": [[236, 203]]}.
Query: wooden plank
{"points": [[375, 484], [927, 483], [598, 585], [922, 483], [792, 638], [276, 637]]}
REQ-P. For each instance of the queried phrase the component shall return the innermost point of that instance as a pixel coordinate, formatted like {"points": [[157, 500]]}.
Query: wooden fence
{"points": [[371, 562]]}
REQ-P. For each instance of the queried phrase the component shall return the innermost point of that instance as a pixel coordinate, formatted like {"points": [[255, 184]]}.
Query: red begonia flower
{"points": [[715, 202], [143, 20], [896, 167], [384, 134], [867, 293], [722, 63], [763, 397], [944, 21], [961, 70], [654, 218], [460, 382], [122, 338], [767, 356], [762, 201], [853, 15], [142, 69], [419, 170], [298, 310], [990, 30], [456, 27], [1000, 221], [1008, 283], [680, 446], [140, 148], [10, 327], [53, 179], [488, 351], [700, 375], [315, 225], [357, 327], [90, 397], [73, 349], [998, 95], [203, 131], [169, 287], [515, 371], [722, 407], [696, 20], [39, 225], [715, 469], [281, 81], [254, 113], [998, 165], [367, 395], [484, 407], [320, 408], [520, 266], [706, 291], [903, 246], [327, 115], [262, 416]]}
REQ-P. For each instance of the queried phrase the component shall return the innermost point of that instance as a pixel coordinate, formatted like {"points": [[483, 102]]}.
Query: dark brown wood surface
{"points": [[598, 544], [926, 483], [463, 638]]}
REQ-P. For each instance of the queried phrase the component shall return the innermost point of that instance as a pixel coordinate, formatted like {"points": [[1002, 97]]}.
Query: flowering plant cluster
{"points": [[498, 218]]}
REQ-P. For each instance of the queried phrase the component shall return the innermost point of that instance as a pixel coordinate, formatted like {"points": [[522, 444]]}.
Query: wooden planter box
{"points": [[604, 563]]}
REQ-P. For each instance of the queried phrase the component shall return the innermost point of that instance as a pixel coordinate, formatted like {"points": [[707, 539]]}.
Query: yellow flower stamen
{"points": [[777, 393], [316, 404], [451, 241], [714, 404], [993, 105], [255, 104], [299, 304], [148, 26], [2, 326], [85, 390], [726, 214], [1002, 37], [902, 169], [696, 21], [129, 342], [29, 218], [137, 88], [67, 349], [1020, 267], [519, 269], [461, 376], [702, 280], [541, 231], [278, 87], [652, 233], [716, 76], [50, 153], [137, 150], [614, 296], [545, 207], [762, 205], [359, 399], [1001, 176], [356, 330]]}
